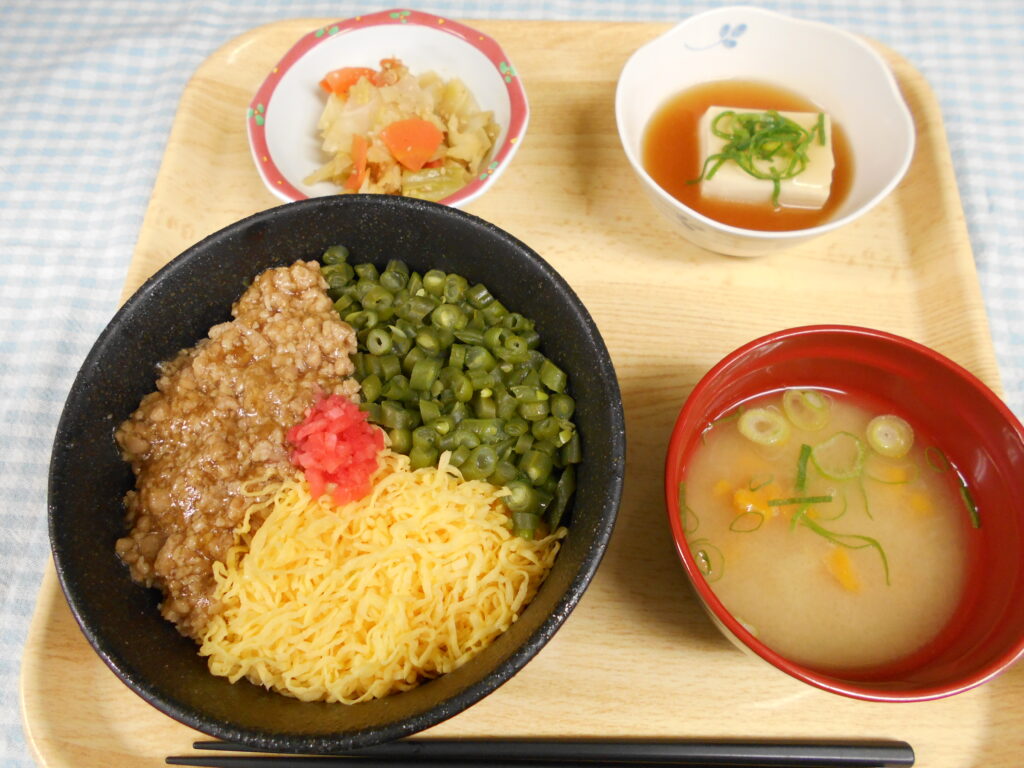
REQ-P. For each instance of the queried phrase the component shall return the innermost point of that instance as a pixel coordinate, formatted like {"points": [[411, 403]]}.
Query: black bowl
{"points": [[174, 309]]}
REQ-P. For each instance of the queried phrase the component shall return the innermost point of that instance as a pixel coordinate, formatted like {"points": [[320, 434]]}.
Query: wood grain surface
{"points": [[638, 657]]}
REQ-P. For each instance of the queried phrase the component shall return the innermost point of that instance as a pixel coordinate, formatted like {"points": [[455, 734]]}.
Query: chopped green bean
{"points": [[479, 358], [433, 282], [533, 411], [444, 366], [429, 410], [478, 296], [390, 366], [493, 313], [449, 316], [336, 254], [343, 303], [423, 373], [516, 322], [481, 463], [372, 411], [443, 425], [545, 429], [379, 341], [401, 440], [417, 308], [483, 405], [552, 376], [504, 473], [367, 271], [571, 452], [562, 406], [522, 497], [420, 456], [537, 466], [457, 356], [454, 288], [377, 298], [524, 524], [371, 388], [524, 443], [459, 456], [396, 388], [563, 492], [469, 335], [395, 416], [516, 427]]}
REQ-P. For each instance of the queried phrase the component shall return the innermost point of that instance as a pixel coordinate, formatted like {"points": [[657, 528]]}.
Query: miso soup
{"points": [[836, 538]]}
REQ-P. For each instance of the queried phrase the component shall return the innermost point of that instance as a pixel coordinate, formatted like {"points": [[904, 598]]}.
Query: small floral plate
{"points": [[282, 117]]}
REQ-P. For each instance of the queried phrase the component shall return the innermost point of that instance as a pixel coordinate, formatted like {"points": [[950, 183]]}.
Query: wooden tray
{"points": [[638, 656]]}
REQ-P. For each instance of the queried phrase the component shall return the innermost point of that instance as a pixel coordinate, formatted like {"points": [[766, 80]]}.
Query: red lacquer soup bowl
{"points": [[976, 431]]}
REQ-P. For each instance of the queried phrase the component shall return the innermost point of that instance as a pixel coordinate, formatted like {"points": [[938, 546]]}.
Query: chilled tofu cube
{"points": [[809, 189]]}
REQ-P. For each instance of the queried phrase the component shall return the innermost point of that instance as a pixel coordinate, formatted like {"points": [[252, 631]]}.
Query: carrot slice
{"points": [[340, 80], [359, 147], [412, 141]]}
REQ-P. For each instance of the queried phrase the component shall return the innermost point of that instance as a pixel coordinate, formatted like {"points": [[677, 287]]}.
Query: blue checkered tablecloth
{"points": [[88, 92]]}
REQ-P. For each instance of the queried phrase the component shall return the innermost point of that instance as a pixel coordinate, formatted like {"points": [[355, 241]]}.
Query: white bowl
{"points": [[282, 117], [838, 72]]}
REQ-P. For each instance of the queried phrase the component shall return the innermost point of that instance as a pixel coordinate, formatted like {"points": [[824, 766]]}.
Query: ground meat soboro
{"points": [[219, 418]]}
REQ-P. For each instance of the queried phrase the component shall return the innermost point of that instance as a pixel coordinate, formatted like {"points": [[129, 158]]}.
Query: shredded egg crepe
{"points": [[351, 603]]}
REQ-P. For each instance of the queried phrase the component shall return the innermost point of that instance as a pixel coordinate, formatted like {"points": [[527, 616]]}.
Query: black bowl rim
{"points": [[471, 694]]}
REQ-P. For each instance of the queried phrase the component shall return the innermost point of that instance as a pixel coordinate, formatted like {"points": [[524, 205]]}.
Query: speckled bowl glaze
{"points": [[282, 117], [174, 309], [833, 69]]}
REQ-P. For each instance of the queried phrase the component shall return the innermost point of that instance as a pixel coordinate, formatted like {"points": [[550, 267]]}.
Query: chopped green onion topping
{"points": [[687, 517], [746, 522], [850, 541], [936, 458], [801, 468], [972, 508], [806, 408], [765, 145], [890, 436], [764, 426], [841, 457], [709, 558], [799, 500]]}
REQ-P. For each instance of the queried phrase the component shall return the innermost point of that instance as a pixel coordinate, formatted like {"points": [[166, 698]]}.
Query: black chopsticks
{"points": [[578, 753]]}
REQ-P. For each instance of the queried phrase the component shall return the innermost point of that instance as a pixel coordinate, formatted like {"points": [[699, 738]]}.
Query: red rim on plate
{"points": [[518, 111]]}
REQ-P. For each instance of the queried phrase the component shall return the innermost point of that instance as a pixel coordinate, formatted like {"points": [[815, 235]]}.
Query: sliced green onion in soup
{"points": [[764, 426], [890, 436], [709, 559], [687, 517], [808, 409], [841, 457]]}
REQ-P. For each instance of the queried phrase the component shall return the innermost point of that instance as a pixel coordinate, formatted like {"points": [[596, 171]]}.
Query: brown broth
{"points": [[671, 154]]}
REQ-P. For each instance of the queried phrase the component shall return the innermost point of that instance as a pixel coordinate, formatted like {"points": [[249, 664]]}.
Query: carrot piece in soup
{"points": [[340, 80], [841, 567], [359, 148], [412, 142]]}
